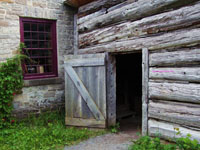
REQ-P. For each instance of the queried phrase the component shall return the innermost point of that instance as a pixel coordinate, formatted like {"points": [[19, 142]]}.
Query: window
{"points": [[39, 37]]}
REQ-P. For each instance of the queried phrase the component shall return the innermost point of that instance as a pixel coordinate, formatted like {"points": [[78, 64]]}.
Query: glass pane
{"points": [[33, 27], [48, 44], [41, 27], [27, 35], [27, 44], [41, 44], [48, 36], [48, 61], [47, 27], [34, 44], [41, 36], [27, 27], [34, 36], [48, 68]]}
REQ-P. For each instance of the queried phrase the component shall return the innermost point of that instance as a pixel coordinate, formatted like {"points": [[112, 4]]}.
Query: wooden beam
{"points": [[133, 11], [167, 130], [77, 3], [181, 57], [145, 81], [175, 92], [96, 6], [111, 89], [165, 22], [175, 112], [174, 39], [179, 74]]}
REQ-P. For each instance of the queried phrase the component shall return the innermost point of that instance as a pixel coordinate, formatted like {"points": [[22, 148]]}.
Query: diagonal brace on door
{"points": [[84, 93]]}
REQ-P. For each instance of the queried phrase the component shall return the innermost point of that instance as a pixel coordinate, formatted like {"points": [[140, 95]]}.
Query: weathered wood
{"points": [[111, 89], [79, 122], [175, 92], [97, 5], [76, 36], [145, 81], [175, 39], [179, 113], [84, 93], [168, 21], [133, 11], [166, 130], [175, 58], [86, 62], [183, 74], [76, 3]]}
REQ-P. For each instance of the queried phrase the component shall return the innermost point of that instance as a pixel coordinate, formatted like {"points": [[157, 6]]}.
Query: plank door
{"points": [[85, 90]]}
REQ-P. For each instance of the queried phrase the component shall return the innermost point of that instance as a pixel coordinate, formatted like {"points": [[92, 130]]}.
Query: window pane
{"points": [[41, 36], [34, 36], [34, 44], [27, 27], [48, 36], [48, 68], [42, 44], [41, 27], [27, 44], [32, 69], [34, 27], [47, 27], [27, 35]]}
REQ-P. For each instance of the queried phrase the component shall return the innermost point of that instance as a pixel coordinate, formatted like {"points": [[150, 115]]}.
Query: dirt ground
{"points": [[128, 131]]}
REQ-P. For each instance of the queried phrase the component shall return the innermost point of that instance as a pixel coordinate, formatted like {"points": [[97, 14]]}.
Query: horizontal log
{"points": [[179, 113], [96, 6], [175, 58], [133, 11], [181, 18], [167, 130], [182, 74], [175, 92], [174, 39]]}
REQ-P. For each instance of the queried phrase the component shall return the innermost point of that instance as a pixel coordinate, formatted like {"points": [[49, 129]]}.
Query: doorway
{"points": [[129, 91]]}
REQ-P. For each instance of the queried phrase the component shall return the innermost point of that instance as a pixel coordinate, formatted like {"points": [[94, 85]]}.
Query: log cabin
{"points": [[138, 58]]}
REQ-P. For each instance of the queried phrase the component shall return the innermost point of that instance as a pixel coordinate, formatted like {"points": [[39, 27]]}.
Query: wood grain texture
{"points": [[174, 39], [111, 89], [96, 6], [175, 92], [145, 81], [175, 112], [166, 130], [79, 122], [168, 21], [176, 58], [86, 95], [133, 11], [191, 74]]}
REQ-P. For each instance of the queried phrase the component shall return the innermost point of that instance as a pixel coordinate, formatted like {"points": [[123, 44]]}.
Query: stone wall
{"points": [[37, 94]]}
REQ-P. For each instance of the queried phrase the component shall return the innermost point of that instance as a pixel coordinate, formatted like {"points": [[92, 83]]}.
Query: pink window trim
{"points": [[54, 72]]}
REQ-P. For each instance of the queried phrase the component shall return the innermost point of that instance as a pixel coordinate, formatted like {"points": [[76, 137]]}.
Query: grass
{"points": [[46, 132]]}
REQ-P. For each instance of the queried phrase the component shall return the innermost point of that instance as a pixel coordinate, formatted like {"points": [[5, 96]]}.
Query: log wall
{"points": [[169, 29]]}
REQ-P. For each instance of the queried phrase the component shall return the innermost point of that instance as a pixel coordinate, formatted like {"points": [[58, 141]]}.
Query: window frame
{"points": [[53, 32]]}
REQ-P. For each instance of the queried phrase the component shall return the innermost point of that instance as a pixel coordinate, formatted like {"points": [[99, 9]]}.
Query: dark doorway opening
{"points": [[129, 91]]}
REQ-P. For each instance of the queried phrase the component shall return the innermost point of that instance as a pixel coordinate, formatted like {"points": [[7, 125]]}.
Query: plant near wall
{"points": [[11, 83]]}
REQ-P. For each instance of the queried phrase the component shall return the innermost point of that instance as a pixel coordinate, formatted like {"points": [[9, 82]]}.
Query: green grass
{"points": [[46, 132]]}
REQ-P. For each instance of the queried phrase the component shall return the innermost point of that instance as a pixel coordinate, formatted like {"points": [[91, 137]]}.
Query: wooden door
{"points": [[85, 90]]}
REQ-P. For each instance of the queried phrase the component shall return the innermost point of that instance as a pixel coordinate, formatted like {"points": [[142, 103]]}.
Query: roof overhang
{"points": [[77, 3]]}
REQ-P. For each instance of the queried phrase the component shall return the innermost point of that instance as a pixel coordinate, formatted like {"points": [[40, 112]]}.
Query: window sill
{"points": [[38, 82]]}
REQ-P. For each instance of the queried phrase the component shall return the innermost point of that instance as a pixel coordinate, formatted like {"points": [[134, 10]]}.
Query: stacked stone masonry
{"points": [[38, 97]]}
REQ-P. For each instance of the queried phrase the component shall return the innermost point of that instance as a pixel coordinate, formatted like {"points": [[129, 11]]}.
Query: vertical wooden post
{"points": [[145, 81], [111, 89]]}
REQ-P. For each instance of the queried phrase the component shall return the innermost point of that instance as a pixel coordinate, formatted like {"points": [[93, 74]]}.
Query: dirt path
{"points": [[119, 141]]}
